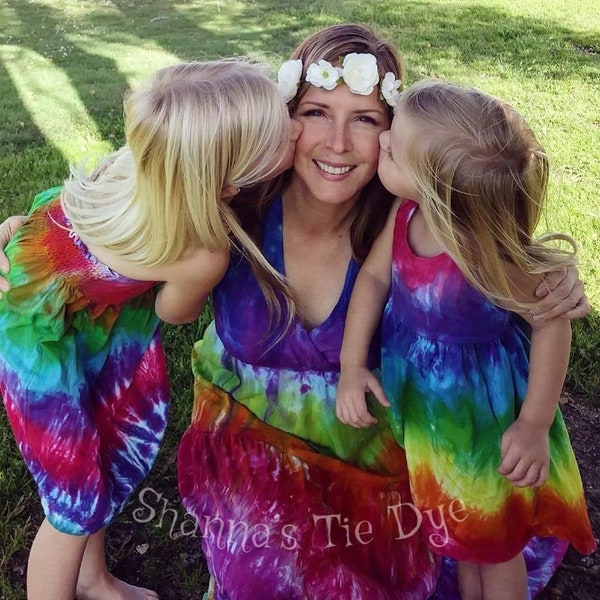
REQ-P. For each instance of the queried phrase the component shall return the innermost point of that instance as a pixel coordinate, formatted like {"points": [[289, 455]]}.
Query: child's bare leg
{"points": [[469, 580], [53, 564], [95, 581], [505, 581]]}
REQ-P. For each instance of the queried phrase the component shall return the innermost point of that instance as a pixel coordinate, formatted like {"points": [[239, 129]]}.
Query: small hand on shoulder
{"points": [[561, 294], [7, 230]]}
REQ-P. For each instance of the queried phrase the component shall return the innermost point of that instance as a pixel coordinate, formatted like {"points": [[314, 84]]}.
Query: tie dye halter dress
{"points": [[82, 372], [455, 368], [291, 503]]}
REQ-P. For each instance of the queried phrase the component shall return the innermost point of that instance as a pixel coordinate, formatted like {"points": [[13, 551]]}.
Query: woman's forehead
{"points": [[342, 98]]}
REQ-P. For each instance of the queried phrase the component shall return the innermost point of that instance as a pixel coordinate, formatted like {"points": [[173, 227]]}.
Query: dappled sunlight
{"points": [[54, 105], [135, 60]]}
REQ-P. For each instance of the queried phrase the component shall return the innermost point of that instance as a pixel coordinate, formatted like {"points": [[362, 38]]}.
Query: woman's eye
{"points": [[369, 120], [312, 112]]}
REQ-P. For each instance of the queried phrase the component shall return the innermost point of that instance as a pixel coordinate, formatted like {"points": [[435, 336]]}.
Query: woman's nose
{"points": [[339, 138]]}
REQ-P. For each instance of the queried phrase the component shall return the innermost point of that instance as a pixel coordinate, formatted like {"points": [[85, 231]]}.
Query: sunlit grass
{"points": [[65, 65], [54, 106]]}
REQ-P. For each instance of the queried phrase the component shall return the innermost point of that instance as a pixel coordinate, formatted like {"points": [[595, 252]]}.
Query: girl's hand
{"points": [[561, 295], [350, 403], [525, 454], [7, 230]]}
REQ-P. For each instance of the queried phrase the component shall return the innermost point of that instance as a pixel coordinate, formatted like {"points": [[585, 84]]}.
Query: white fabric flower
{"points": [[288, 78], [323, 74], [390, 88], [360, 73]]}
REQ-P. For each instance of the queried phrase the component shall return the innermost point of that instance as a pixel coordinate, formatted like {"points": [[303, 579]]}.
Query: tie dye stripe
{"points": [[456, 368], [82, 372]]}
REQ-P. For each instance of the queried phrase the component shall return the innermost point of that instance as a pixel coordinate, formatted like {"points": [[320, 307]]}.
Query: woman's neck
{"points": [[313, 217], [316, 252]]}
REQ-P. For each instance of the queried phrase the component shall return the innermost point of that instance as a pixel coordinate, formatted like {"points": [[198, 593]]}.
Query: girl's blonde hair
{"points": [[483, 177], [192, 130]]}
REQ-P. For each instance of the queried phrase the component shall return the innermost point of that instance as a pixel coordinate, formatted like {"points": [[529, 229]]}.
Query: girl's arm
{"points": [[187, 284], [561, 293], [364, 313], [524, 447]]}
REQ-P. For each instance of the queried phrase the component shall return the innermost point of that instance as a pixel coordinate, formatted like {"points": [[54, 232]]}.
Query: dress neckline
{"points": [[273, 236]]}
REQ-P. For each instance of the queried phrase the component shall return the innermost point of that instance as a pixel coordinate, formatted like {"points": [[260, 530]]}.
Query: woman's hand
{"points": [[7, 230], [561, 295]]}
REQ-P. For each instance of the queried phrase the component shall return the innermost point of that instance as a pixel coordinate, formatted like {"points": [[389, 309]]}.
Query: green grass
{"points": [[65, 64]]}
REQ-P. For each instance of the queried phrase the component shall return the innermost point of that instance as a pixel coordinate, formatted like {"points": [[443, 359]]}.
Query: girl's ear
{"points": [[228, 192]]}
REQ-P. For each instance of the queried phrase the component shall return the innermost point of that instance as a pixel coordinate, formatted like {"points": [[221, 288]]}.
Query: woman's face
{"points": [[337, 151]]}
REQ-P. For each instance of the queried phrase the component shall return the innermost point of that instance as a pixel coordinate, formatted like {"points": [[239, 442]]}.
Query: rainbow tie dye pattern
{"points": [[455, 368], [291, 503], [82, 372]]}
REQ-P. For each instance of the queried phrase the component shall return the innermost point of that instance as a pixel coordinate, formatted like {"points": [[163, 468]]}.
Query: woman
{"points": [[291, 502]]}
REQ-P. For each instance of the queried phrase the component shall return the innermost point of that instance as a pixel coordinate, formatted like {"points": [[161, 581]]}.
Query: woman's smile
{"points": [[332, 169]]}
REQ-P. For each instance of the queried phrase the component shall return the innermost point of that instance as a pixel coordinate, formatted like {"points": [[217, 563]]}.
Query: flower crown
{"points": [[358, 71]]}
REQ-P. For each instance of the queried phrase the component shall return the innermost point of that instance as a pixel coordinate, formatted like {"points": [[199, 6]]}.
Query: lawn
{"points": [[65, 64]]}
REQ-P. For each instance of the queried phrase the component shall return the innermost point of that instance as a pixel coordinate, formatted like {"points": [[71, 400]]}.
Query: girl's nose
{"points": [[384, 139], [296, 130]]}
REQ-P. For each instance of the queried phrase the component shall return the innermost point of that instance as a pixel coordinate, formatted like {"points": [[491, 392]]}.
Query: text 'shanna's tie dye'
{"points": [[82, 372], [455, 368]]}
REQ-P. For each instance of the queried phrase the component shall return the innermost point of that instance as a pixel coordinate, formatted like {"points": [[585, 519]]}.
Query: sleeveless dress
{"points": [[291, 503], [82, 372], [455, 368]]}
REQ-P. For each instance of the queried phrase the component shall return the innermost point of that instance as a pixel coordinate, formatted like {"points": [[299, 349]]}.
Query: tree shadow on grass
{"points": [[428, 34]]}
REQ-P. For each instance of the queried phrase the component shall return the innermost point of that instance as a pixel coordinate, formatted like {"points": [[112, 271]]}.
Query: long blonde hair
{"points": [[191, 130], [483, 177]]}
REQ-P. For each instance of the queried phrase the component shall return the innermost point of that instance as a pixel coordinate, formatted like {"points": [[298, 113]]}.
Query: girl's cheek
{"points": [[295, 133], [384, 139], [288, 159]]}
